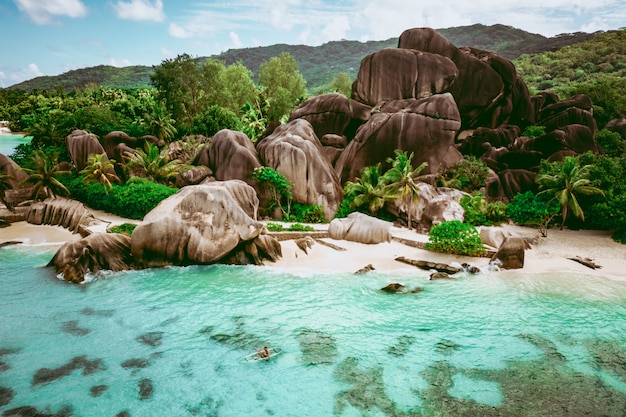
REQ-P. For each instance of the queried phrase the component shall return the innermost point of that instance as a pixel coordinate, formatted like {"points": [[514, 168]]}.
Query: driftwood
{"points": [[586, 261], [330, 245], [426, 265]]}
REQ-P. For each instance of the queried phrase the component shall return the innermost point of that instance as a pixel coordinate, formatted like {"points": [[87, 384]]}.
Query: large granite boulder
{"points": [[488, 91], [94, 253], [501, 137], [617, 125], [396, 74], [9, 167], [511, 253], [70, 214], [232, 156], [359, 227], [200, 224], [426, 127], [327, 113], [81, 144], [295, 151]]}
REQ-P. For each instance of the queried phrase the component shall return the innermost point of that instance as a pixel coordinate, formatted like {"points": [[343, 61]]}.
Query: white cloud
{"points": [[10, 76], [179, 32], [140, 10], [236, 42], [119, 62], [44, 12]]}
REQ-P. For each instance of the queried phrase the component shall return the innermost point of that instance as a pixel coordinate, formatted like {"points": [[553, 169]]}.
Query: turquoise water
{"points": [[170, 342], [8, 143]]}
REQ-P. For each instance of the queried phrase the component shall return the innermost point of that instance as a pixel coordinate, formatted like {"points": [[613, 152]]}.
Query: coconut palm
{"points": [[566, 183], [160, 123], [369, 190], [44, 176], [100, 169], [400, 181], [153, 164]]}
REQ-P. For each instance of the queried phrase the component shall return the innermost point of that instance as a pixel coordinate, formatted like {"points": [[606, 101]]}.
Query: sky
{"points": [[50, 37]]}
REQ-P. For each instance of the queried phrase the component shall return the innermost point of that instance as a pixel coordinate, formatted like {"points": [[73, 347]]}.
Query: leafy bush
{"points": [[480, 212], [456, 238], [612, 142], [132, 200], [469, 175], [527, 209], [214, 119], [296, 227], [277, 184], [619, 235], [305, 213], [534, 131], [124, 228], [346, 206]]}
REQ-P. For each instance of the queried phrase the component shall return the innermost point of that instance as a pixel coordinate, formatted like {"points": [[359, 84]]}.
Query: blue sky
{"points": [[49, 37]]}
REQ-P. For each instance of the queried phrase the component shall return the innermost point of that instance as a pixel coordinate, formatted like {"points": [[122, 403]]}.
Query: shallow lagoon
{"points": [[8, 143], [171, 341]]}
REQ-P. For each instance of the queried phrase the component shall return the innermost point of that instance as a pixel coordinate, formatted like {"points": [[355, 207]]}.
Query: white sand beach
{"points": [[549, 254]]}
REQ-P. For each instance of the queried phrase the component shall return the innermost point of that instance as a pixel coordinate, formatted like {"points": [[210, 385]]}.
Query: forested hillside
{"points": [[596, 67], [319, 64]]}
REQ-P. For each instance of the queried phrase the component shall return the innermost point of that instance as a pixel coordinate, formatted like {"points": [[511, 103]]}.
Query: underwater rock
{"points": [[317, 347], [402, 347], [135, 363], [30, 411], [146, 389], [609, 355], [46, 375], [446, 347], [97, 390], [88, 311], [6, 395], [151, 339], [72, 328], [123, 414]]}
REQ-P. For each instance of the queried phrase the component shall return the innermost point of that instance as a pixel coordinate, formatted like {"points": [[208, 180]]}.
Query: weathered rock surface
{"points": [[9, 167], [200, 224], [511, 253], [426, 127], [94, 253], [71, 214], [396, 74], [359, 227], [430, 266], [81, 144], [232, 156], [295, 151]]}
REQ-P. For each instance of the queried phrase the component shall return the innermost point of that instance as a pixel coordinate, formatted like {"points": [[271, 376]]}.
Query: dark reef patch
{"points": [[146, 389], [72, 328], [317, 347], [151, 339], [46, 375], [29, 411], [609, 356], [402, 346], [88, 311], [97, 390], [446, 347], [123, 414], [6, 395]]}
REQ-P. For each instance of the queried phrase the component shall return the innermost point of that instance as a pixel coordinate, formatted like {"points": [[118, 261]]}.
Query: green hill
{"points": [[318, 64]]}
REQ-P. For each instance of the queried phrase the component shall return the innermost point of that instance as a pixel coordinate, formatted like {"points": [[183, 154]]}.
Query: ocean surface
{"points": [[8, 143], [172, 342]]}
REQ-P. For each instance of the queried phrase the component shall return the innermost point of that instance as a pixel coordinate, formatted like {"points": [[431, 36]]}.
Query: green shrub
{"points": [[480, 212], [306, 213], [132, 200], [214, 119], [527, 209], [124, 228], [296, 227], [456, 238], [346, 206], [612, 142], [469, 175], [619, 235], [534, 131]]}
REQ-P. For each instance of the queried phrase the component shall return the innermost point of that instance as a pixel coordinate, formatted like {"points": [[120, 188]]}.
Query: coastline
{"points": [[546, 255]]}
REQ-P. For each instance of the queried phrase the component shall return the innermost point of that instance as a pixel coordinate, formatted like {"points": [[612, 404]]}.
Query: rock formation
{"points": [[81, 144], [359, 227], [71, 214], [232, 156], [200, 224], [94, 253], [296, 152], [511, 253]]}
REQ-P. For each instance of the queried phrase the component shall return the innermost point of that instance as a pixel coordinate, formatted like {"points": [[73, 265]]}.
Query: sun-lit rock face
{"points": [[198, 225], [81, 144], [359, 227]]}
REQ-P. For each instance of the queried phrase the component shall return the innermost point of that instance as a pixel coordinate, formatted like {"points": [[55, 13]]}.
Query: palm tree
{"points": [[565, 185], [369, 190], [5, 184], [100, 169], [400, 180], [44, 176], [160, 123], [153, 164]]}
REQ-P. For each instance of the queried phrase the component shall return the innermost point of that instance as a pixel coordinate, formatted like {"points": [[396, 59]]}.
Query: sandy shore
{"points": [[548, 254]]}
